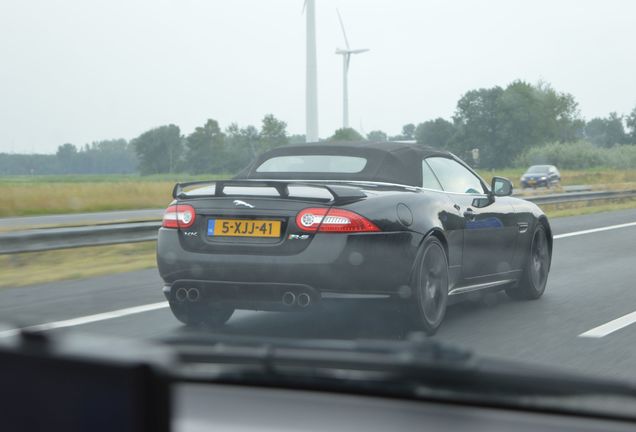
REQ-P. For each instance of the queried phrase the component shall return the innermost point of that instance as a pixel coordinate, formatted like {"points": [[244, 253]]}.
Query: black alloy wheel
{"points": [[535, 275], [430, 284]]}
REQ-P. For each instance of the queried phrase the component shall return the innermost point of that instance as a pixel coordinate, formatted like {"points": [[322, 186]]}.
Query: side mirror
{"points": [[500, 186]]}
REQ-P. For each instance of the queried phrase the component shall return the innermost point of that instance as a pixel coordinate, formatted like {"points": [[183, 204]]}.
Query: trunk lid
{"points": [[254, 217]]}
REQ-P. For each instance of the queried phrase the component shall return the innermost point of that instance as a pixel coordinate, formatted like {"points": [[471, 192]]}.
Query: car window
{"points": [[429, 181], [454, 177], [314, 164], [537, 169]]}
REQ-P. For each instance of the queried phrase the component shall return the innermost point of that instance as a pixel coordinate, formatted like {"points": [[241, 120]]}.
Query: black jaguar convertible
{"points": [[308, 222]]}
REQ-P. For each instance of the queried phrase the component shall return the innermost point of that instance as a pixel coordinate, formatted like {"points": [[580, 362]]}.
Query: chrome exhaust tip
{"points": [[304, 300], [193, 294], [289, 298], [181, 294]]}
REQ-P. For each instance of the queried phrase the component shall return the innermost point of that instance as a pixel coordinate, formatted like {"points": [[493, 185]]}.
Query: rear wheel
{"points": [[535, 275], [201, 315], [430, 285]]}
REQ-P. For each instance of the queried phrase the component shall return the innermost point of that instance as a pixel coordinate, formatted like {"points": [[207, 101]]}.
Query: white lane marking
{"points": [[88, 318], [610, 327], [594, 230], [618, 323]]}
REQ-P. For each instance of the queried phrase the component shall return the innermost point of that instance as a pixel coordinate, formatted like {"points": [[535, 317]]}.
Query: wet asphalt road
{"points": [[592, 282]]}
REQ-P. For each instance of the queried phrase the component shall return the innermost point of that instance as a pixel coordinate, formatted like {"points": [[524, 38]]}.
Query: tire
{"points": [[430, 287], [532, 284], [201, 315]]}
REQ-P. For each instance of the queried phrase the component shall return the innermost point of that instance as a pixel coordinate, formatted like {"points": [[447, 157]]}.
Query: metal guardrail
{"points": [[70, 237], [580, 196], [97, 235]]}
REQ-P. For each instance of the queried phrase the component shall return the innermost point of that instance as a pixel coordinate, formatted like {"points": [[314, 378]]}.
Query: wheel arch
{"points": [[433, 232], [543, 220]]}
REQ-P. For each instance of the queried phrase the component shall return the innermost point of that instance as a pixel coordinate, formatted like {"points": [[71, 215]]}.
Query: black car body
{"points": [[404, 208], [540, 176]]}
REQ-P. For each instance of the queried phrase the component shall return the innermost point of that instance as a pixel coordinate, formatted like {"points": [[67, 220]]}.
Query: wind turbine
{"points": [[311, 89], [346, 58]]}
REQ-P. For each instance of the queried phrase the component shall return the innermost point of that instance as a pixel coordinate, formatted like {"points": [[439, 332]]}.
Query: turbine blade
{"points": [[344, 33], [304, 7]]}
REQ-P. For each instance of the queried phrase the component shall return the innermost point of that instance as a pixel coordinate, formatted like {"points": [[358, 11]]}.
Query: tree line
{"points": [[503, 123], [115, 156], [208, 149]]}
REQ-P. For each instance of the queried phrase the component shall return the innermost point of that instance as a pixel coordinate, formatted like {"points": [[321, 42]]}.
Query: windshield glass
{"points": [[460, 172], [538, 169]]}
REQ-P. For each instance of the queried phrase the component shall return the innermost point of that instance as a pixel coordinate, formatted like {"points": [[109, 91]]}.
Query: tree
{"points": [[159, 150], [205, 149], [435, 133], [606, 132], [297, 139], [66, 155], [502, 123], [346, 134], [240, 146], [630, 121], [273, 133], [377, 135], [476, 120], [408, 130]]}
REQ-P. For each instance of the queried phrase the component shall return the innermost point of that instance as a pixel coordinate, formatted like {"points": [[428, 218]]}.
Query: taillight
{"points": [[333, 220], [179, 216]]}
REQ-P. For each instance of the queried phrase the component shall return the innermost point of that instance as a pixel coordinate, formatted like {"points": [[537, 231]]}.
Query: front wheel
{"points": [[430, 286], [532, 284], [201, 315]]}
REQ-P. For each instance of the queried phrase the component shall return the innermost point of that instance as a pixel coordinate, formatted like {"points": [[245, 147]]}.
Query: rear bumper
{"points": [[369, 263]]}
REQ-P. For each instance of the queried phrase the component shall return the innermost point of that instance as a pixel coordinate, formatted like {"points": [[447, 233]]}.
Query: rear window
{"points": [[314, 164]]}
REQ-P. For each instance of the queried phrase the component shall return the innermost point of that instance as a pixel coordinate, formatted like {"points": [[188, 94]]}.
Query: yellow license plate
{"points": [[243, 228]]}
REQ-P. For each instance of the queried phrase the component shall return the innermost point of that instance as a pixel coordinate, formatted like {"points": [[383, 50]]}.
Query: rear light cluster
{"points": [[334, 221], [179, 216]]}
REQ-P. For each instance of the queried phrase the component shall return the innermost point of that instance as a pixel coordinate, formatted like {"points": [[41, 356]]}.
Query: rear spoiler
{"points": [[340, 193]]}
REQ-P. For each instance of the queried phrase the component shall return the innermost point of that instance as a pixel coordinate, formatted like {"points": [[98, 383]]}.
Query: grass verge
{"points": [[39, 267], [587, 207]]}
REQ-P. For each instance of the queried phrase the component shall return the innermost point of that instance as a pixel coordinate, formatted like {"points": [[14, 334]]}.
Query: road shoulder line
{"points": [[610, 327], [87, 319], [594, 230]]}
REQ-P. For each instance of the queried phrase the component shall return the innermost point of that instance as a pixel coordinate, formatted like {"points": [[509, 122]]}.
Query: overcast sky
{"points": [[79, 71]]}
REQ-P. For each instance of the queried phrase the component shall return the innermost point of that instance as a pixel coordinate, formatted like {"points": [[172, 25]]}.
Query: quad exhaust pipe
{"points": [[190, 294]]}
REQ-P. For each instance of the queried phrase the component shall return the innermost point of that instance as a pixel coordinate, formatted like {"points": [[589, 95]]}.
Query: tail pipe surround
{"points": [[289, 298]]}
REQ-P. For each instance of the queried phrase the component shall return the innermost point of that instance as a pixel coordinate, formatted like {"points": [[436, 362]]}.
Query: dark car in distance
{"points": [[540, 176], [309, 222]]}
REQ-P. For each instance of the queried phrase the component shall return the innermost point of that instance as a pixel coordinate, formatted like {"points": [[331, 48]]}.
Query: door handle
{"points": [[469, 214]]}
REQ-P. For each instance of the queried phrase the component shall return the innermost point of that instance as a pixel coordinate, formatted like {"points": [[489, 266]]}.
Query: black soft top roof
{"points": [[390, 162]]}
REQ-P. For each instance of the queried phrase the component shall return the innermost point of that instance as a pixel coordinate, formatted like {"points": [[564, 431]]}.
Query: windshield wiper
{"points": [[405, 367]]}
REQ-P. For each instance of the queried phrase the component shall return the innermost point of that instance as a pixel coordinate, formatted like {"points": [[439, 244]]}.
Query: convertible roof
{"points": [[391, 162]]}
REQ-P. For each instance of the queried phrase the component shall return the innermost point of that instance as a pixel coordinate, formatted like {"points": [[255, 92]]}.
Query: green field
{"points": [[34, 195]]}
